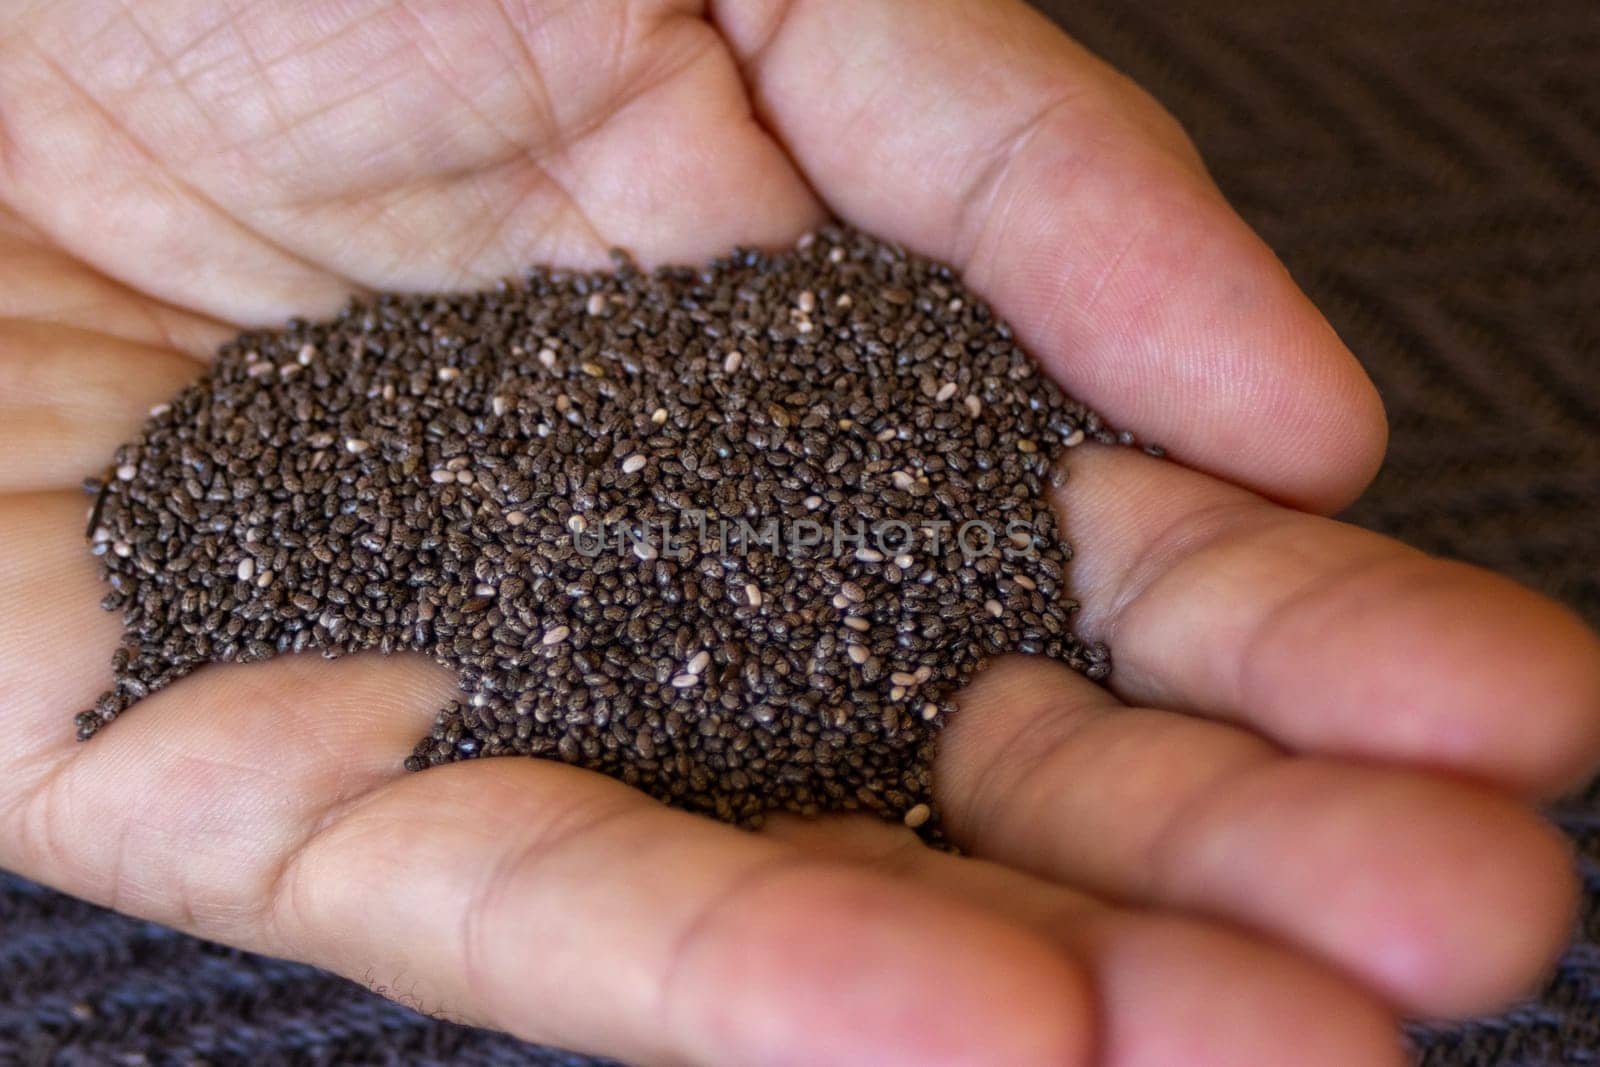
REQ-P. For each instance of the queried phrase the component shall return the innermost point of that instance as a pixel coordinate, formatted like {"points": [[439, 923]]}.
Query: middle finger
{"points": [[1449, 898]]}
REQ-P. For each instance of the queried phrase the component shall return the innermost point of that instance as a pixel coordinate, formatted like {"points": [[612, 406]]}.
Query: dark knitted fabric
{"points": [[1431, 173]]}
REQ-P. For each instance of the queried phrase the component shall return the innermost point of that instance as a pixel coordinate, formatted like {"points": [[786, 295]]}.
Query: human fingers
{"points": [[976, 132], [1324, 637], [1447, 898], [1171, 989]]}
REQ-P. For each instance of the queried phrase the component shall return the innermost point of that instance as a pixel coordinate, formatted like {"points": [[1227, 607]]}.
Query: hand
{"points": [[1313, 813]]}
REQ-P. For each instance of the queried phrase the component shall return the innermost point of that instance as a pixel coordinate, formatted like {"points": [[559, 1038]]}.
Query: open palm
{"points": [[1303, 809]]}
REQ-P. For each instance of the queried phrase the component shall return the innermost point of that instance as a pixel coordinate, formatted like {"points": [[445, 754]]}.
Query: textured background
{"points": [[1431, 173]]}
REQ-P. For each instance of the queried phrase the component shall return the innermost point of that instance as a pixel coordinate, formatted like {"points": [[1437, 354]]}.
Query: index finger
{"points": [[975, 132]]}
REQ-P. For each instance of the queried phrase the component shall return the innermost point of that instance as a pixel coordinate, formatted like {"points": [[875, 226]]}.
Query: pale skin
{"points": [[1304, 808]]}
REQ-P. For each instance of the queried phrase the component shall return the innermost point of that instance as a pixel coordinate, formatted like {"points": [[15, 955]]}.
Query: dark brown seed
{"points": [[562, 487]]}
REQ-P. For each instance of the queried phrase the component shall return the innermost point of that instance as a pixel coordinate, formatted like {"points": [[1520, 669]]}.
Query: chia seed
{"points": [[420, 473]]}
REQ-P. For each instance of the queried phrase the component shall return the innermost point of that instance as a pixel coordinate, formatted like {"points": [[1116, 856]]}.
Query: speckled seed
{"points": [[840, 380]]}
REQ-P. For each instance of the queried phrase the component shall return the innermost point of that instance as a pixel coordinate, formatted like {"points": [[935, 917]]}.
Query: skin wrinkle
{"points": [[1304, 597], [246, 45], [744, 66], [750, 59], [1162, 861], [182, 908], [150, 310], [185, 188], [544, 845], [518, 155], [539, 99], [1164, 549], [318, 818], [278, 887], [636, 89], [1013, 766], [761, 873], [1113, 267], [514, 148], [975, 221], [232, 18], [9, 149], [499, 234], [284, 882], [18, 372]]}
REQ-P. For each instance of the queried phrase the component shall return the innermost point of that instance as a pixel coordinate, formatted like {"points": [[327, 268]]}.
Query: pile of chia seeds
{"points": [[732, 535]]}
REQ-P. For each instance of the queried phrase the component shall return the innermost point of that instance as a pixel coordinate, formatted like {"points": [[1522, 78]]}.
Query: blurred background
{"points": [[1430, 171]]}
